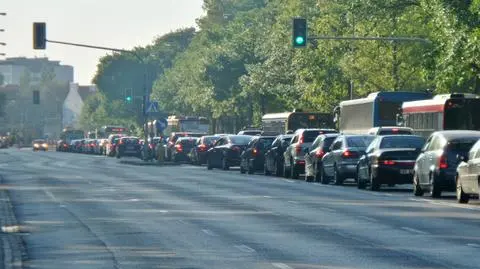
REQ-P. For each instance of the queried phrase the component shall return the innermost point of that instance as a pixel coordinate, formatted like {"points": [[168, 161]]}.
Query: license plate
{"points": [[406, 171]]}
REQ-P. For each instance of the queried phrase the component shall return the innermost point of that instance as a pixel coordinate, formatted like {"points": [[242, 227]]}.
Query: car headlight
{"points": [[45, 145], [36, 145]]}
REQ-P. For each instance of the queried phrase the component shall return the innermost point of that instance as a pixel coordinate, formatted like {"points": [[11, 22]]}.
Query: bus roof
{"points": [[389, 96], [436, 104], [285, 115]]}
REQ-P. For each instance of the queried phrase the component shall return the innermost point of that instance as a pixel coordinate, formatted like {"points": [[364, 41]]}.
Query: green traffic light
{"points": [[299, 40], [129, 98]]}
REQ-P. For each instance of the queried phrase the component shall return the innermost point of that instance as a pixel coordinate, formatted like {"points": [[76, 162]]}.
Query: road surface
{"points": [[81, 211]]}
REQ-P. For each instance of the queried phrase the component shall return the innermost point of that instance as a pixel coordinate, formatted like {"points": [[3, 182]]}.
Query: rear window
{"points": [[251, 132], [461, 146], [359, 141], [240, 140], [265, 142], [309, 136], [210, 139], [187, 141], [402, 142], [131, 140]]}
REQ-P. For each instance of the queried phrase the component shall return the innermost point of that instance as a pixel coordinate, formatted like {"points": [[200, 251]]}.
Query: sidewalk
{"points": [[12, 248]]}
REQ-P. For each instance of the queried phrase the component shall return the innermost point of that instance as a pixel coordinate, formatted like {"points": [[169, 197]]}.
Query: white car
{"points": [[468, 174]]}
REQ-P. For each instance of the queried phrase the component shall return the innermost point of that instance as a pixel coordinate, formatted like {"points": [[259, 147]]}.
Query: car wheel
{"points": [[324, 179], [417, 190], [374, 182], [209, 164], [251, 171], [435, 190], [242, 170], [278, 170], [286, 172], [293, 170], [309, 178], [225, 164], [337, 177], [317, 177], [462, 197], [265, 169], [360, 182]]}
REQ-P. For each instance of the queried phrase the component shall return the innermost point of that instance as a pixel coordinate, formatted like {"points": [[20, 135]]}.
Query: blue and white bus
{"points": [[376, 110]]}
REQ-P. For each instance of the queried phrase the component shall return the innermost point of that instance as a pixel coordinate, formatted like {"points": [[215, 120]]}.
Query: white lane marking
{"points": [[209, 232], [413, 230], [367, 218], [293, 202], [78, 177], [280, 265], [163, 212], [245, 248], [49, 194], [288, 180], [266, 196], [381, 194], [182, 221], [330, 209], [133, 200], [473, 245], [449, 204]]}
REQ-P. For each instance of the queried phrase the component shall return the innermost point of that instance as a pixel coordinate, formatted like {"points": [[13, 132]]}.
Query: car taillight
{"points": [[442, 163], [179, 147], [349, 154], [319, 153], [387, 162], [64, 145], [298, 149], [92, 145], [121, 142], [150, 146], [254, 152], [302, 139], [202, 147]]}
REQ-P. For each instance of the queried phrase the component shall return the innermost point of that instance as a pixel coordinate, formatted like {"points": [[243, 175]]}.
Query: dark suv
{"points": [[435, 168], [128, 146], [253, 157], [172, 139]]}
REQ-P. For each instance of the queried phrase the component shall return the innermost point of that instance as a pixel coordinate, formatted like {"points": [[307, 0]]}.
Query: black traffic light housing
{"points": [[128, 96], [36, 97], [299, 36], [39, 35]]}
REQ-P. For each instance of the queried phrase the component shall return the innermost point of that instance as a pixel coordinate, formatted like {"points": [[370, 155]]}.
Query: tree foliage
{"points": [[240, 64]]}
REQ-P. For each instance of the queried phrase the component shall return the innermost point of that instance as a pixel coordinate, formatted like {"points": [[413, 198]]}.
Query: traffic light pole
{"points": [[146, 92]]}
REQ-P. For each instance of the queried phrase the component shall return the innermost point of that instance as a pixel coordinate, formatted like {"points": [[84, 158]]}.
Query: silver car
{"points": [[468, 174]]}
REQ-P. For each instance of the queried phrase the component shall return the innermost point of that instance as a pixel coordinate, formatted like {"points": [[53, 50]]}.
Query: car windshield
{"points": [[240, 139], [402, 142]]}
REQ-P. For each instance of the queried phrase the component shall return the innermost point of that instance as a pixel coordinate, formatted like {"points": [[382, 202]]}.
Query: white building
{"points": [[13, 69], [72, 107]]}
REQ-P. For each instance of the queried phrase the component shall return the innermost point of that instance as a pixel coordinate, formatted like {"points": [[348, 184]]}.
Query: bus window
{"points": [[387, 111], [462, 115]]}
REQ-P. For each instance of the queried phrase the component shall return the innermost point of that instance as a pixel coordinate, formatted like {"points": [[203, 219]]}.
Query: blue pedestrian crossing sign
{"points": [[152, 107]]}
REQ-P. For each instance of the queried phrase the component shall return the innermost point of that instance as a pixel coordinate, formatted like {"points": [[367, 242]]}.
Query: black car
{"points": [[182, 147], [128, 146], [274, 155], [172, 139], [226, 151], [389, 160], [252, 132], [313, 158], [436, 166], [198, 154], [253, 157]]}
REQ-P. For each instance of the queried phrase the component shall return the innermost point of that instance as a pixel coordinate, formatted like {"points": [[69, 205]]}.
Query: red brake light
{"points": [[349, 154], [202, 147], [179, 147], [443, 162], [121, 142], [395, 130], [319, 153], [298, 149], [301, 140], [387, 162]]}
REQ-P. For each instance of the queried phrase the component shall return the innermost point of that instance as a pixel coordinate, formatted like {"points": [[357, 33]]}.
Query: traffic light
{"points": [[36, 97], [128, 96], [39, 35], [299, 33]]}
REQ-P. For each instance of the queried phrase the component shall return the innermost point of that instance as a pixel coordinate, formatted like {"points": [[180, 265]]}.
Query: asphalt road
{"points": [[81, 211]]}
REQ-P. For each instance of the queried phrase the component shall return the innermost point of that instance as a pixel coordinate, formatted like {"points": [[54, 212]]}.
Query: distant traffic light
{"points": [[36, 97], [299, 33], [39, 35], [128, 96]]}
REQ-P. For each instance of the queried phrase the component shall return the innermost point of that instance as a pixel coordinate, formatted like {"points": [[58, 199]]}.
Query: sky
{"points": [[111, 23]]}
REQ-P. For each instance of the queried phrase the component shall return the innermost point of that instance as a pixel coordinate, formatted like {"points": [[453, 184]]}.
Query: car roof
{"points": [[454, 134], [401, 135]]}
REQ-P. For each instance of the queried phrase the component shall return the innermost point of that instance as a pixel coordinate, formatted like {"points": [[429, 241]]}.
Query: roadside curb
{"points": [[13, 246]]}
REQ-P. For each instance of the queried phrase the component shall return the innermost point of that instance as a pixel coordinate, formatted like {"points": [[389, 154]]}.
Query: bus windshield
{"points": [[462, 115], [306, 120], [387, 112], [198, 126]]}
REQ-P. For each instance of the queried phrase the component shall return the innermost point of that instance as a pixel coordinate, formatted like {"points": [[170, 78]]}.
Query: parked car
{"points": [[468, 175], [389, 160], [391, 130], [128, 146], [172, 139], [253, 157], [62, 146], [294, 156], [436, 167], [182, 147], [252, 132], [313, 158], [274, 155], [341, 161], [226, 151], [111, 144], [198, 154]]}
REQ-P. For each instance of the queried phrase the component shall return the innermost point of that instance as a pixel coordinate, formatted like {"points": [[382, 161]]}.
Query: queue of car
{"points": [[446, 161]]}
